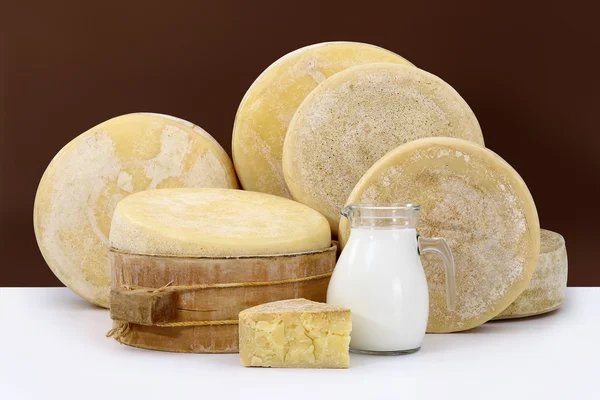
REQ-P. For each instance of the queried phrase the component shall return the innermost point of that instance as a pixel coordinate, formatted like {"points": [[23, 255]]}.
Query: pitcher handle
{"points": [[440, 246]]}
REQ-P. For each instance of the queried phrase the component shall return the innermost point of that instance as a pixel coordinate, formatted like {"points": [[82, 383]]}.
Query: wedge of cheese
{"points": [[84, 182], [548, 285], [355, 117], [480, 205], [295, 333], [267, 108], [215, 223]]}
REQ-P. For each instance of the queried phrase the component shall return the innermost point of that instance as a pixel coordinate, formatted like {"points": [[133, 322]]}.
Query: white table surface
{"points": [[53, 346]]}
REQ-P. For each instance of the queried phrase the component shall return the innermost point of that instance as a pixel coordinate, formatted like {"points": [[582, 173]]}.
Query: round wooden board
{"points": [[355, 117], [548, 286], [84, 182], [480, 205], [265, 112], [217, 303]]}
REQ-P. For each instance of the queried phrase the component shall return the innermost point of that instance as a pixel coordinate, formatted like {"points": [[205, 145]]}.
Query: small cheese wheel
{"points": [[358, 115], [86, 179], [480, 205], [215, 223], [268, 106], [548, 285]]}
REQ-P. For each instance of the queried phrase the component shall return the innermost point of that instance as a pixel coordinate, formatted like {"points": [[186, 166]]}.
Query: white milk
{"points": [[379, 277]]}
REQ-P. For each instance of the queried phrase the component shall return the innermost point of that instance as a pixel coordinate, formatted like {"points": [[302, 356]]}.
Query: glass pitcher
{"points": [[379, 277]]}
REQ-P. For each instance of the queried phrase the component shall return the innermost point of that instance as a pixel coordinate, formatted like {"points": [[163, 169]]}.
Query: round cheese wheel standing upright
{"points": [[480, 205], [548, 285], [355, 117], [268, 106], [84, 182]]}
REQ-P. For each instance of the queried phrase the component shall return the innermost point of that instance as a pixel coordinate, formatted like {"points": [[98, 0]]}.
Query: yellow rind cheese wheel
{"points": [[548, 286], [268, 106], [215, 223], [354, 118], [480, 205], [84, 182]]}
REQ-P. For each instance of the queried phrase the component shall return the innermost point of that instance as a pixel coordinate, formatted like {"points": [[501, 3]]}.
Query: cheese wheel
{"points": [[268, 106], [480, 205], [86, 179], [548, 285], [358, 115], [216, 223]]}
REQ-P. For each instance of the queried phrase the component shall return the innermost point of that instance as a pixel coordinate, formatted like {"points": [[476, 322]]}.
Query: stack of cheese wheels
{"points": [[219, 251], [267, 108], [86, 179], [355, 117], [480, 205], [547, 288]]}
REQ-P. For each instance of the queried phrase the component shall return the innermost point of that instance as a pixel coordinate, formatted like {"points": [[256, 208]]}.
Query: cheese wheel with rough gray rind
{"points": [[84, 182], [268, 106], [480, 205], [355, 117], [548, 285], [215, 223]]}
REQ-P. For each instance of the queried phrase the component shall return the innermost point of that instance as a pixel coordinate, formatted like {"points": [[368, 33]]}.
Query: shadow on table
{"points": [[548, 314], [70, 301]]}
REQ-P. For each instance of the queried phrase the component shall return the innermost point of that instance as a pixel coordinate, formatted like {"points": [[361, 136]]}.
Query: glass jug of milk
{"points": [[379, 277]]}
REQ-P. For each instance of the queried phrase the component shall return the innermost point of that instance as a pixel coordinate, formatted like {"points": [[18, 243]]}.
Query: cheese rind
{"points": [[548, 286], [480, 205], [84, 182], [269, 104], [295, 333], [354, 118], [215, 223]]}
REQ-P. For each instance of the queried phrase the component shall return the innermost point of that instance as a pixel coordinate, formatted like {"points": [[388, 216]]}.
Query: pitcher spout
{"points": [[345, 212]]}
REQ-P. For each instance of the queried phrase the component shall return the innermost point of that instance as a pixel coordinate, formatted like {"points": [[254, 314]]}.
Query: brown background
{"points": [[529, 70]]}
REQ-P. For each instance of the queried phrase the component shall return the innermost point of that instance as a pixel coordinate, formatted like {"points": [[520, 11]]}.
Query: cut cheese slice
{"points": [[548, 285], [215, 223], [86, 179], [295, 333], [480, 205], [267, 108], [358, 115]]}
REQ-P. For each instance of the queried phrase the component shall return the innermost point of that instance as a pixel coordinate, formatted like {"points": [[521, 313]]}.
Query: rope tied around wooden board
{"points": [[168, 286], [123, 327], [198, 323]]}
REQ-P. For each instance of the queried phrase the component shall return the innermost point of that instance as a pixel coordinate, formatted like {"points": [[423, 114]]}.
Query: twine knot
{"points": [[119, 331]]}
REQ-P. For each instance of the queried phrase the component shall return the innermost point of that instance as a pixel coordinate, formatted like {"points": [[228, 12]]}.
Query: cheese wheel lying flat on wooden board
{"points": [[268, 106], [215, 223], [548, 285], [355, 117], [86, 179], [221, 251], [480, 205]]}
